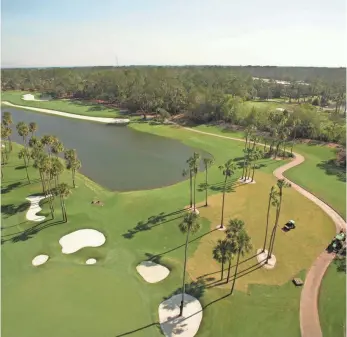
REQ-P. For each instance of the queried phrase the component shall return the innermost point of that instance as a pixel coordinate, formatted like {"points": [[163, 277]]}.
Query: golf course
{"points": [[126, 210]]}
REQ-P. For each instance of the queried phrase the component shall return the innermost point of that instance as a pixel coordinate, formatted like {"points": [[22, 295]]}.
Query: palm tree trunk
{"points": [[222, 218], [26, 169], [246, 142], [65, 214], [244, 168], [267, 222], [191, 188], [43, 182], [194, 195], [221, 277], [253, 172], [229, 267], [73, 178], [235, 274], [272, 242], [206, 186], [10, 142], [184, 273]]}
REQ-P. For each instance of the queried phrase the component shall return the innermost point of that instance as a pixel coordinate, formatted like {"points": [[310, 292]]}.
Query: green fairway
{"points": [[70, 106], [314, 174], [55, 299], [332, 303]]}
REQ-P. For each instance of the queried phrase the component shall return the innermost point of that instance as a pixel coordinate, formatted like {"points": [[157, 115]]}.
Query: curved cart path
{"points": [[309, 316]]}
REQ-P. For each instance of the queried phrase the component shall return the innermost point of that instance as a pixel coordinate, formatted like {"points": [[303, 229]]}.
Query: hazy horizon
{"points": [[90, 33]]}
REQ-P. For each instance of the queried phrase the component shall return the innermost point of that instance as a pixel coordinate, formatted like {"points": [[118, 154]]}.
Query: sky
{"points": [[39, 33]]}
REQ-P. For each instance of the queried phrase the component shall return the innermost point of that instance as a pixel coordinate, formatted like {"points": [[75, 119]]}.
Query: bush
{"points": [[315, 101]]}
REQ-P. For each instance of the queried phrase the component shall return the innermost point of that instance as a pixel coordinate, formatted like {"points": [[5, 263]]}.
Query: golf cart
{"points": [[289, 226], [338, 242]]}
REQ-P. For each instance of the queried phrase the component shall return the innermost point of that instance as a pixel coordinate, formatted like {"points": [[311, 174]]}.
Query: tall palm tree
{"points": [[48, 141], [194, 163], [241, 242], [256, 155], [63, 191], [228, 170], [190, 224], [23, 131], [72, 163], [32, 128], [5, 131], [222, 253], [185, 172], [7, 120], [22, 155], [208, 162], [57, 170], [272, 197], [281, 184], [296, 122]]}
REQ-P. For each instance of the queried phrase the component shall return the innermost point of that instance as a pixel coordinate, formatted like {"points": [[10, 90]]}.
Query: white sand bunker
{"points": [[261, 257], [31, 97], [39, 259], [35, 208], [77, 240], [152, 272], [91, 261], [185, 326]]}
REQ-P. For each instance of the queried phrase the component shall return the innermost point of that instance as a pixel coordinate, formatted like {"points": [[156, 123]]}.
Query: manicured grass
{"points": [[332, 303], [314, 174], [70, 106], [66, 298]]}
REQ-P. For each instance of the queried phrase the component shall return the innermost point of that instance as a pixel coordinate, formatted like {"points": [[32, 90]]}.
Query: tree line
{"points": [[203, 94], [43, 154]]}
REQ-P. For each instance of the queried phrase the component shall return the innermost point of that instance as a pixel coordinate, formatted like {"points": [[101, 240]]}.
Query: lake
{"points": [[116, 157]]}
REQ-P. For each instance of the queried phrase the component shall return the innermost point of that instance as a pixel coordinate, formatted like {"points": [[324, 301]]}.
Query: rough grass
{"points": [[70, 106], [315, 174], [332, 303]]}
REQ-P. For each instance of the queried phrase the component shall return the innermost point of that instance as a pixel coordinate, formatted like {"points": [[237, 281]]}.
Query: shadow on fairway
{"points": [[332, 169], [29, 233], [12, 209], [10, 187], [153, 221]]}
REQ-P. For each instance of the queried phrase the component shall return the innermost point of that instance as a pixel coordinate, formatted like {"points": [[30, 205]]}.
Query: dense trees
{"points": [[204, 94]]}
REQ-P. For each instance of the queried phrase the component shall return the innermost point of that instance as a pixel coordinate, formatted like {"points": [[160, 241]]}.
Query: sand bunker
{"points": [[91, 261], [185, 326], [77, 240], [247, 181], [30, 97], [152, 272], [39, 259], [35, 208], [261, 257]]}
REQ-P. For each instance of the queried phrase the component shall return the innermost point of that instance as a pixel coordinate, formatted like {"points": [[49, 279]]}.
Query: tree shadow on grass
{"points": [[22, 167], [10, 187], [30, 232], [12, 209], [332, 169], [153, 221]]}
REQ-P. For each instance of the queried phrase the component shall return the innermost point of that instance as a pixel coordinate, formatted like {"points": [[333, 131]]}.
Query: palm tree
{"points": [[185, 172], [256, 155], [190, 224], [32, 128], [5, 131], [63, 190], [207, 163], [72, 163], [57, 170], [281, 184], [296, 122], [22, 154], [240, 240], [57, 147], [23, 131], [194, 163], [272, 197], [7, 120], [222, 253], [48, 141], [228, 170]]}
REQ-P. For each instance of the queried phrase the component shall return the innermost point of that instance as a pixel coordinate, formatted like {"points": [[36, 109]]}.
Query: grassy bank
{"points": [[70, 106]]}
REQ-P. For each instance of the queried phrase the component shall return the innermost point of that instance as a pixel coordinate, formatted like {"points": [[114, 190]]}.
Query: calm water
{"points": [[116, 157]]}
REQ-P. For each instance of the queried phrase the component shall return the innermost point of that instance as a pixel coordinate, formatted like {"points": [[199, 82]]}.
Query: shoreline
{"points": [[105, 120]]}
